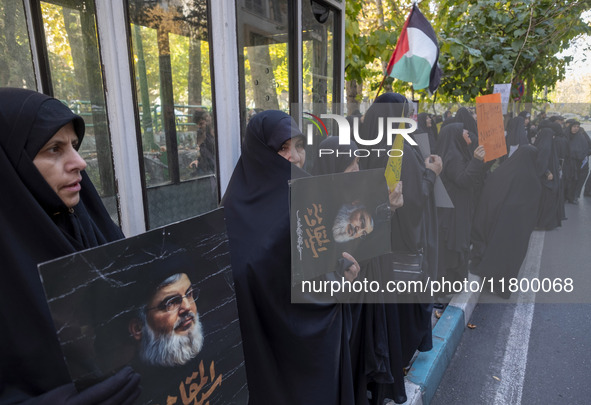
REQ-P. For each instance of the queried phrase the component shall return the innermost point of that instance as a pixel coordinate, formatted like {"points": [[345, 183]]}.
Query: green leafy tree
{"points": [[482, 42]]}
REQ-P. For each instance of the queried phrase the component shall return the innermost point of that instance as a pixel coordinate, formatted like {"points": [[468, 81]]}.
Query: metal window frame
{"points": [[119, 84], [226, 87], [115, 55]]}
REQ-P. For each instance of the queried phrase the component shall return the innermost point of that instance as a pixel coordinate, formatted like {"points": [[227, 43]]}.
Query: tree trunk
{"points": [[353, 90], [73, 27], [195, 74], [148, 141]]}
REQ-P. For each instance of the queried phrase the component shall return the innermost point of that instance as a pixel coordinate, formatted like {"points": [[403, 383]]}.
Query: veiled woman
{"points": [[371, 350], [547, 165], [294, 353], [50, 209], [516, 134], [579, 151], [413, 231], [426, 125], [506, 216], [462, 170]]}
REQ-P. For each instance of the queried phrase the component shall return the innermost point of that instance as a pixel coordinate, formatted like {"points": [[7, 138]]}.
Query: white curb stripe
{"points": [[510, 389]]}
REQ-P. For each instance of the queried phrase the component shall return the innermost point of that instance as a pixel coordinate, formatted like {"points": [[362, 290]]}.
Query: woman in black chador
{"points": [[375, 338], [548, 169], [462, 169], [426, 125], [294, 353], [50, 209], [516, 133], [414, 232], [579, 151], [506, 216]]}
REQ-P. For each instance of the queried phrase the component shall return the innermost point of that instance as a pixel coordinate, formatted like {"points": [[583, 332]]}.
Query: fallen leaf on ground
{"points": [[471, 326]]}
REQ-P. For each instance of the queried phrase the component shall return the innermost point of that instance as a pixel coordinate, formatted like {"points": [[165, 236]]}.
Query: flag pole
{"points": [[380, 88]]}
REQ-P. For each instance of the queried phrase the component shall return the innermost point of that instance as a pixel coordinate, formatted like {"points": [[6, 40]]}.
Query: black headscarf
{"points": [[431, 131], [579, 143], [294, 353], [386, 105], [506, 216], [516, 134], [36, 227], [465, 117]]}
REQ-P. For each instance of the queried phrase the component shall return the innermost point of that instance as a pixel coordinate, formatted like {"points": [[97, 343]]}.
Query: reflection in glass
{"points": [[318, 22], [72, 48], [263, 55], [170, 45], [16, 62], [318, 56]]}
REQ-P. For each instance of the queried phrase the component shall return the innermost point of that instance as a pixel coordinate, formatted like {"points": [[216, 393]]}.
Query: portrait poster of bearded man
{"points": [[336, 213], [162, 302]]}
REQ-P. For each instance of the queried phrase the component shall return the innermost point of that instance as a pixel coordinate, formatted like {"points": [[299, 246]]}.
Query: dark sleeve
{"points": [[464, 176], [543, 161], [429, 178], [408, 220]]}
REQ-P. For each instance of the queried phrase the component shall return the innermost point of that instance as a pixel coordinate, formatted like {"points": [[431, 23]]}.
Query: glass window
{"points": [[263, 55], [16, 62], [318, 53], [170, 45], [318, 61], [76, 79]]}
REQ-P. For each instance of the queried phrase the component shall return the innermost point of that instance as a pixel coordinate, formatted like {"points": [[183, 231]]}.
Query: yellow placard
{"points": [[394, 166]]}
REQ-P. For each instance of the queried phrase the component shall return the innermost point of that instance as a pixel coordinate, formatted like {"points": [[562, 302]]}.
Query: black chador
{"points": [[548, 169], [406, 327], [294, 353], [506, 216], [36, 227], [461, 175]]}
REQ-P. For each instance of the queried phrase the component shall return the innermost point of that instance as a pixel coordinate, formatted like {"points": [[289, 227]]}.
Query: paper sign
{"points": [[394, 166], [491, 133], [512, 149], [505, 91]]}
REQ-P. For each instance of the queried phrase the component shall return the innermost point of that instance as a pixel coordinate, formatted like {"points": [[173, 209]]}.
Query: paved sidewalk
{"points": [[428, 368]]}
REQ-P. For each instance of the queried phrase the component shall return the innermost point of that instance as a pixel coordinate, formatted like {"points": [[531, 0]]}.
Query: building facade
{"points": [[166, 87]]}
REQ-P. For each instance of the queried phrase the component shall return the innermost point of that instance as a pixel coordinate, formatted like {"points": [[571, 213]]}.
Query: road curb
{"points": [[429, 367]]}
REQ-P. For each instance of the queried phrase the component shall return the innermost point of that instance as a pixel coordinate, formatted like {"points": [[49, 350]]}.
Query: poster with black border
{"points": [[336, 213], [162, 302]]}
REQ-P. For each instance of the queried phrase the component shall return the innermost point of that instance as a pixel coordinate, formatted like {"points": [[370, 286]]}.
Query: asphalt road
{"points": [[532, 353]]}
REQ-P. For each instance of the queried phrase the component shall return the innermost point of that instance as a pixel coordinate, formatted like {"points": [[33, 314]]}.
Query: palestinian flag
{"points": [[416, 54]]}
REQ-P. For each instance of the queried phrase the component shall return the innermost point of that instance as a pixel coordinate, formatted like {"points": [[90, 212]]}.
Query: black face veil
{"points": [[36, 227]]}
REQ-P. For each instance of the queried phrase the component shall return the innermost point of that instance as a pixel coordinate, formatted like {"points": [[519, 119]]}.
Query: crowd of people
{"points": [[314, 353]]}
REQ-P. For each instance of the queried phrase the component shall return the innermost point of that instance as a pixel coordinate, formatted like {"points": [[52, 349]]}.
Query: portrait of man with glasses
{"points": [[167, 328], [163, 303]]}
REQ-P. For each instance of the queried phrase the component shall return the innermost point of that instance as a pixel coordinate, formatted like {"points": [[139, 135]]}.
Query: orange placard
{"points": [[491, 132]]}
